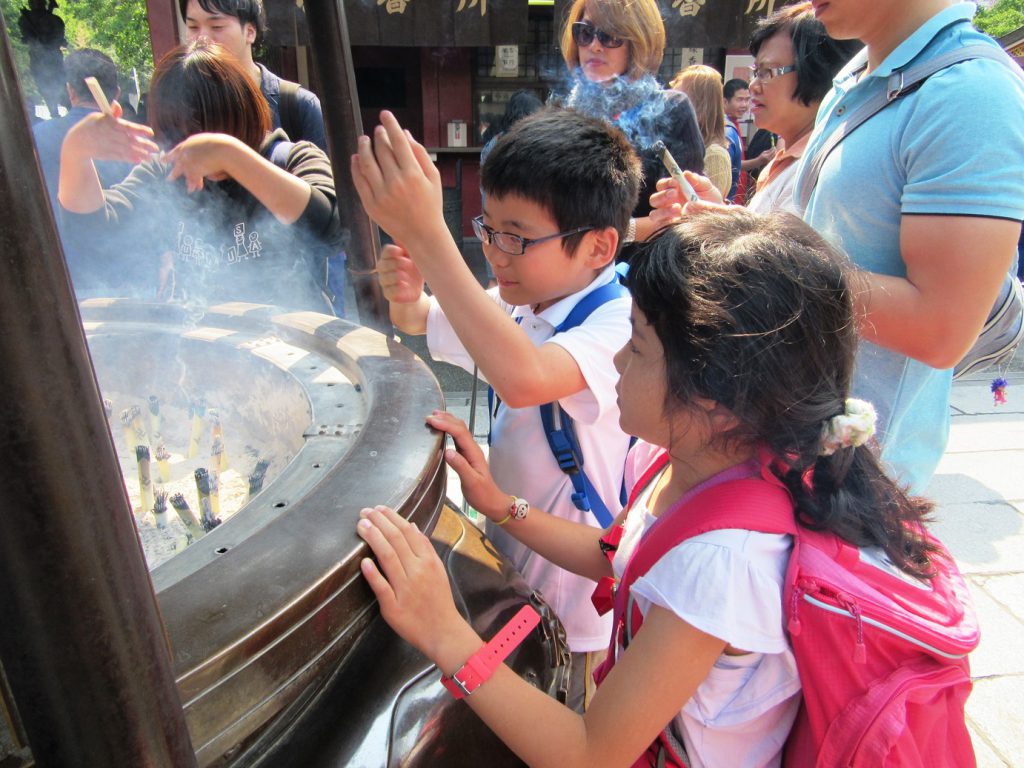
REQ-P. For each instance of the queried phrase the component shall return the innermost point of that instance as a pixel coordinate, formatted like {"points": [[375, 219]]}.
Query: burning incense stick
{"points": [[127, 425], [163, 463], [187, 517], [154, 418], [689, 194], [160, 509], [215, 495], [207, 517], [99, 96], [218, 453], [196, 411], [108, 406], [145, 483], [256, 477]]}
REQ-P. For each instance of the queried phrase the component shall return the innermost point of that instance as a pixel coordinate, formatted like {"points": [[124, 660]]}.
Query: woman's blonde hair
{"points": [[638, 22], [703, 86]]}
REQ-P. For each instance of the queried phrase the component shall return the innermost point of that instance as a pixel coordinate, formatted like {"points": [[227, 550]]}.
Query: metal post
{"points": [[332, 57], [81, 640]]}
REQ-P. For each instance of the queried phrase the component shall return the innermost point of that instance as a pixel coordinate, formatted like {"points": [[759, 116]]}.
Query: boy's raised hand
{"points": [[400, 280], [398, 184], [469, 462]]}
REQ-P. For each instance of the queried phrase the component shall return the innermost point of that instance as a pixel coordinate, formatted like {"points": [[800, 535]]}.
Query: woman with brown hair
{"points": [[613, 50], [703, 86], [235, 211]]}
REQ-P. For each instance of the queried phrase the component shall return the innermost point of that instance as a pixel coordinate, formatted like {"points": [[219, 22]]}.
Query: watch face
{"points": [[519, 508]]}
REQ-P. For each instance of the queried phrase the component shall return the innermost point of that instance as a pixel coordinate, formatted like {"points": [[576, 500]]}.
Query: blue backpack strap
{"points": [[558, 427]]}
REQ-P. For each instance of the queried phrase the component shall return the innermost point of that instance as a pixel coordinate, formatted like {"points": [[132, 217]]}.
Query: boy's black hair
{"points": [[754, 313], [580, 169], [817, 57], [731, 86], [88, 62], [246, 11]]}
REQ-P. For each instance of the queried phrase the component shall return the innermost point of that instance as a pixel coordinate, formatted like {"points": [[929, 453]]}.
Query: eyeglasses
{"points": [[514, 245], [583, 32], [765, 74]]}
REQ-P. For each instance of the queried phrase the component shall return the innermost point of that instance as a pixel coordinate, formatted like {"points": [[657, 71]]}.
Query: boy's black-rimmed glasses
{"points": [[583, 32], [514, 245]]}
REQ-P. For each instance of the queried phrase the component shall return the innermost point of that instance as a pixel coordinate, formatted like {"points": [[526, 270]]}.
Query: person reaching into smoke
{"points": [[234, 210], [613, 50]]}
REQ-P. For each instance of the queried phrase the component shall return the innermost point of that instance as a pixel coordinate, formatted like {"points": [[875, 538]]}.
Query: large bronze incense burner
{"points": [[261, 609]]}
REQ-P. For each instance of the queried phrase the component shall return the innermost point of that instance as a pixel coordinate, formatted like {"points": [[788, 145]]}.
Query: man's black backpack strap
{"points": [[288, 110]]}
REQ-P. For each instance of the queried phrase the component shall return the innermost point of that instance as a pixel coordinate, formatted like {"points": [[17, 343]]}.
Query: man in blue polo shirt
{"points": [[927, 200]]}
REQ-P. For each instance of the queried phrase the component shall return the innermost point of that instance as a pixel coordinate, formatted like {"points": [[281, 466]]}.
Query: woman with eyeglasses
{"points": [[794, 63], [613, 50]]}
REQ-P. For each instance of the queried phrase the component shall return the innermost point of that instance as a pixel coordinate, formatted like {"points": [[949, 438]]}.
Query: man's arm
{"points": [[955, 267]]}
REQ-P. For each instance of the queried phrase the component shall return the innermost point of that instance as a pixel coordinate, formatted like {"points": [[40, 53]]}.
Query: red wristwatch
{"points": [[481, 665]]}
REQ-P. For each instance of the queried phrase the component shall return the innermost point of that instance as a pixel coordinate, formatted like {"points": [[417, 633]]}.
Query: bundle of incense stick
{"points": [[187, 517], [257, 475], [99, 96], [160, 509], [206, 516], [145, 482], [139, 426], [154, 418], [196, 411], [218, 453], [163, 462], [215, 495], [108, 407], [128, 416]]}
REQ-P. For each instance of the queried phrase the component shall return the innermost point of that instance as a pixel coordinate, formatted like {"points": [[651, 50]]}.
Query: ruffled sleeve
{"points": [[726, 583]]}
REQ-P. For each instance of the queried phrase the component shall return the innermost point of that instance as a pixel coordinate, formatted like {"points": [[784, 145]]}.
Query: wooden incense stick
{"points": [[98, 96]]}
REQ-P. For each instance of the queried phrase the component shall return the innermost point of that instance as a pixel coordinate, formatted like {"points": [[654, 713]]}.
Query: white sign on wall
{"points": [[506, 61]]}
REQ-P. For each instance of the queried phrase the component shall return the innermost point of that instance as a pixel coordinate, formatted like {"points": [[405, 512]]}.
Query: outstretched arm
{"points": [[569, 545], [652, 680], [216, 155], [401, 190], [98, 137]]}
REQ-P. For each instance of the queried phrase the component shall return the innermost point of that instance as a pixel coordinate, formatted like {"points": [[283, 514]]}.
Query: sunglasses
{"points": [[583, 32]]}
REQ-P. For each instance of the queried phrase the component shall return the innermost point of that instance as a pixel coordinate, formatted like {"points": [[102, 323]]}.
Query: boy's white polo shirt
{"points": [[521, 461]]}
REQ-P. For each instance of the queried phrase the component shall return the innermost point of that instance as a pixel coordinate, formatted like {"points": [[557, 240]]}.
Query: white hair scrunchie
{"points": [[850, 429]]}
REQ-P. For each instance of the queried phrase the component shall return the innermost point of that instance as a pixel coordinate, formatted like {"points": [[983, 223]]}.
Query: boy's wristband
{"points": [[483, 663], [517, 510]]}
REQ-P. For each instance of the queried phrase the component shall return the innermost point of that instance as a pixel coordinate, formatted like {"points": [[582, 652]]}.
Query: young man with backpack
{"points": [[238, 25], [925, 197]]}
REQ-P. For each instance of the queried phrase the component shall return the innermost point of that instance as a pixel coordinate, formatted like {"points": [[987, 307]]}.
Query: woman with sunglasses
{"points": [[613, 50]]}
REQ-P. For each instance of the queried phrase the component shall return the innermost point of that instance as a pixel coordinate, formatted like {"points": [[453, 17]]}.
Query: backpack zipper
{"points": [[846, 605]]}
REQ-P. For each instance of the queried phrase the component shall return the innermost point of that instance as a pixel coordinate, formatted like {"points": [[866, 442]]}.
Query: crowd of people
{"points": [[794, 325]]}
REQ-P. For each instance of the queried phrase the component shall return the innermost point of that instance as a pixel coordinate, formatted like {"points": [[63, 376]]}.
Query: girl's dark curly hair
{"points": [[755, 314]]}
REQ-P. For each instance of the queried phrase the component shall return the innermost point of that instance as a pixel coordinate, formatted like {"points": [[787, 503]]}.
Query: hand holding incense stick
{"points": [[99, 96], [689, 194]]}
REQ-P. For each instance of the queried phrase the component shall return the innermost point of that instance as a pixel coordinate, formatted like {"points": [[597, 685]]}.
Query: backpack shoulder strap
{"points": [[288, 109], [558, 426], [751, 503], [901, 83]]}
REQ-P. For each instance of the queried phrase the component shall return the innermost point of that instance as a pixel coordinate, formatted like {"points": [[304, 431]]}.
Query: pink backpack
{"points": [[882, 662]]}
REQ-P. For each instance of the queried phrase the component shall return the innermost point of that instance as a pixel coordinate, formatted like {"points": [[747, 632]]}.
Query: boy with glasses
{"points": [[560, 188]]}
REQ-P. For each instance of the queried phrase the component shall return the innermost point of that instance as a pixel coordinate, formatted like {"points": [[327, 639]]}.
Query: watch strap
{"points": [[483, 663]]}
